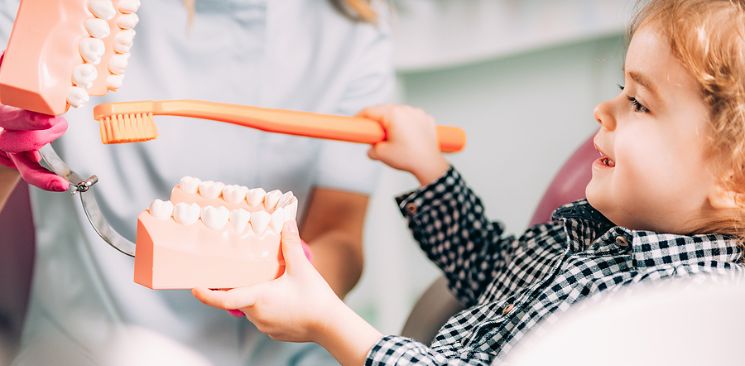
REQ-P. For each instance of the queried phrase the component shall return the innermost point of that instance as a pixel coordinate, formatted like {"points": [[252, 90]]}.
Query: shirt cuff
{"points": [[390, 349], [414, 202]]}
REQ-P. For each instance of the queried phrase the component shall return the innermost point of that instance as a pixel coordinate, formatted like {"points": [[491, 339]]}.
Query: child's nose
{"points": [[604, 116]]}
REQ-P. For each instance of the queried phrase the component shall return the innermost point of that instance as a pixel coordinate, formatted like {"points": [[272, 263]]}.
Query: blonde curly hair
{"points": [[708, 38]]}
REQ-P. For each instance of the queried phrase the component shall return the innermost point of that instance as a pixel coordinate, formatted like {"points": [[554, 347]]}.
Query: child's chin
{"points": [[595, 194]]}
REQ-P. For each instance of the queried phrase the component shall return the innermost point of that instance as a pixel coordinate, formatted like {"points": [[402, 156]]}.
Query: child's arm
{"points": [[445, 216], [299, 306]]}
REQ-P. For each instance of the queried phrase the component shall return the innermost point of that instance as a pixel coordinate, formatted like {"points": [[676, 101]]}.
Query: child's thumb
{"points": [[292, 247], [379, 151]]}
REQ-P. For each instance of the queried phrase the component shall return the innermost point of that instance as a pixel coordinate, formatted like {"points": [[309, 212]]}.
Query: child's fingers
{"points": [[292, 247], [377, 113], [380, 151], [372, 153], [228, 300]]}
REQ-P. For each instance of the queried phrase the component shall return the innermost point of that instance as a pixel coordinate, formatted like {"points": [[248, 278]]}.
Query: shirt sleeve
{"points": [[395, 350], [343, 165], [447, 220]]}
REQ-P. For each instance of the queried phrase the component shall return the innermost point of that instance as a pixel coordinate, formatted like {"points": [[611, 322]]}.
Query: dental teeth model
{"points": [[61, 52], [212, 235], [107, 16]]}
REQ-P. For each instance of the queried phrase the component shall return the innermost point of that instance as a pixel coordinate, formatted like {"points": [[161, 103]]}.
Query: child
{"points": [[665, 200]]}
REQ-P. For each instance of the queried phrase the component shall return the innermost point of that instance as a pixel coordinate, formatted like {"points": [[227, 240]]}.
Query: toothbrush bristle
{"points": [[124, 128]]}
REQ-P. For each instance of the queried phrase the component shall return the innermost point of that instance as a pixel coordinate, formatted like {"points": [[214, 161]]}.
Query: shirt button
{"points": [[411, 208], [507, 309], [621, 241]]}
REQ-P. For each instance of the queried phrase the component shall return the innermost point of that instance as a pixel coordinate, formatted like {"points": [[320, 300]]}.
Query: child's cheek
{"points": [[648, 173]]}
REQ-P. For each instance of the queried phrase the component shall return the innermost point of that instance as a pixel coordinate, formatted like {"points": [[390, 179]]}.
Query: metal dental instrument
{"points": [[81, 186]]}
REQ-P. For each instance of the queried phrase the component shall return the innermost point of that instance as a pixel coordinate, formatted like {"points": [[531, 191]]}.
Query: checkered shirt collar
{"points": [[585, 225]]}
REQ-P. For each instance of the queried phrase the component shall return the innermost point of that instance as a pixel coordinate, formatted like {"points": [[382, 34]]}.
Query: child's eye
{"points": [[638, 107]]}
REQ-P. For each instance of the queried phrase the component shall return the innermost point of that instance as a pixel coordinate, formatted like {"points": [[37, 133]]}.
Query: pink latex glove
{"points": [[22, 134], [306, 249]]}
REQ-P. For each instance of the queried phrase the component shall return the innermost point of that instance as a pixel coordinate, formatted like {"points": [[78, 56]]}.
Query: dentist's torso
{"points": [[296, 54]]}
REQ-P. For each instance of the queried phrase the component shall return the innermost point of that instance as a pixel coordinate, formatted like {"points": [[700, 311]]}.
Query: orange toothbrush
{"points": [[132, 122]]}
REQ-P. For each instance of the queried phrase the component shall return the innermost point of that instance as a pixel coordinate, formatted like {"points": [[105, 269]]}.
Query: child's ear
{"points": [[722, 198]]}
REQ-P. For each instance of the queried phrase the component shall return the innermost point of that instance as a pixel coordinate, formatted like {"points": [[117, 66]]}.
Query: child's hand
{"points": [[294, 307], [411, 143]]}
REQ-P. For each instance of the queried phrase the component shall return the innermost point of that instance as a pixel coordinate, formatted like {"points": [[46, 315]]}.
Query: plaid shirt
{"points": [[509, 284]]}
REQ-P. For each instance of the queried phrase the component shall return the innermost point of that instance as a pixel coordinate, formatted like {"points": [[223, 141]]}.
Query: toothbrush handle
{"points": [[324, 126]]}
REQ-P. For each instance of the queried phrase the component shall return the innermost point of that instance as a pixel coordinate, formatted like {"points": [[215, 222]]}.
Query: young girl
{"points": [[665, 200]]}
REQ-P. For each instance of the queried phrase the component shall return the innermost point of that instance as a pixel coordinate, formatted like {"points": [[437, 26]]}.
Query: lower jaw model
{"points": [[212, 235]]}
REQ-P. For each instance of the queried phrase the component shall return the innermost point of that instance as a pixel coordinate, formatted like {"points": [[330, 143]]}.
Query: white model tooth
{"points": [[97, 28], [271, 199], [211, 190], [286, 199], [84, 75], [92, 50], [123, 40], [114, 82], [190, 184], [127, 21], [128, 6], [161, 209], [186, 213], [215, 217], [255, 197], [77, 97], [291, 211], [103, 9], [234, 194], [239, 220], [118, 63], [260, 221], [278, 219]]}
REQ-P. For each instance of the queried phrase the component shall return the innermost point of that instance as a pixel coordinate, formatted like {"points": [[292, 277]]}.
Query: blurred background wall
{"points": [[522, 78]]}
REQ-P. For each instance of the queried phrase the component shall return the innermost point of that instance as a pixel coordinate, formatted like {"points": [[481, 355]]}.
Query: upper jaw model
{"points": [[61, 52], [212, 235]]}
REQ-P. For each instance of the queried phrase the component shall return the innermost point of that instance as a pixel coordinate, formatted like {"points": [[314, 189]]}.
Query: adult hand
{"points": [[22, 134]]}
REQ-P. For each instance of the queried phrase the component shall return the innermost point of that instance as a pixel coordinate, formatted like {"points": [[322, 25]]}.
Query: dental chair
{"points": [[437, 304], [645, 324]]}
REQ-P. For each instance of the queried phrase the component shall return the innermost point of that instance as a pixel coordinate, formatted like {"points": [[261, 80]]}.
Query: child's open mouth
{"points": [[604, 160], [607, 161]]}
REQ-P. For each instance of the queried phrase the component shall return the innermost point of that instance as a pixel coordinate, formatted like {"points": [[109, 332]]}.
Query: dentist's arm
{"points": [[8, 180], [333, 230]]}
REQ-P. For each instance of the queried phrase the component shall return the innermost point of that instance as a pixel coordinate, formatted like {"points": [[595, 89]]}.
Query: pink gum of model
{"points": [[42, 52], [171, 255]]}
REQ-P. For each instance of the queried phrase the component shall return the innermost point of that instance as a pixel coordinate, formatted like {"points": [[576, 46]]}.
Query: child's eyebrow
{"points": [[643, 81]]}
